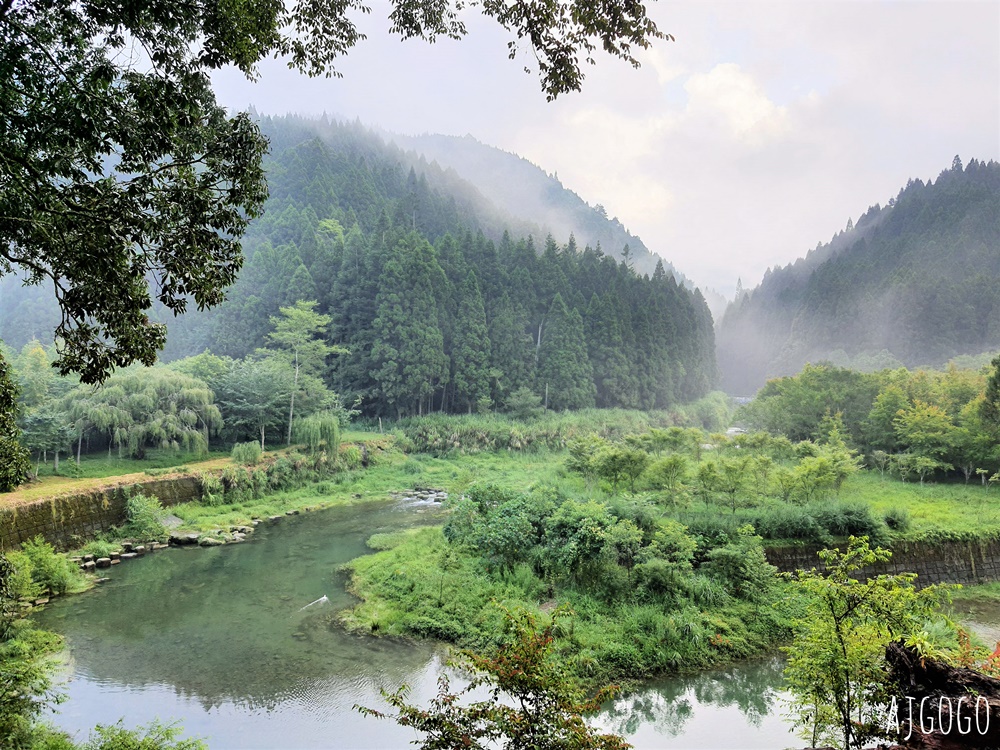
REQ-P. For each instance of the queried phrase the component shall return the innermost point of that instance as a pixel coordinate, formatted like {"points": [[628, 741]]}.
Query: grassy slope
{"points": [[937, 511], [97, 473]]}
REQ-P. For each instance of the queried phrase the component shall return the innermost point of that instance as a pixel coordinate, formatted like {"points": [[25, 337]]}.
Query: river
{"points": [[240, 645]]}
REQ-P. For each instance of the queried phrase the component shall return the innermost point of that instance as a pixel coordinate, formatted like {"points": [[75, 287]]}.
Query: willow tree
{"points": [[319, 430], [149, 407]]}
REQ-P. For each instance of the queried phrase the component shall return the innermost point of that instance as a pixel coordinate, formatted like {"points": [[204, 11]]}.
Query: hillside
{"points": [[445, 302], [525, 190], [915, 282]]}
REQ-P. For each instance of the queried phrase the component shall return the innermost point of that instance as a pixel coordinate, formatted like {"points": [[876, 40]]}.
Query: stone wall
{"points": [[942, 562], [67, 521]]}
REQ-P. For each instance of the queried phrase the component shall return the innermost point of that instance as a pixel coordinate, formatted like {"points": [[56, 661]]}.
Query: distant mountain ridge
{"points": [[525, 190], [916, 282]]}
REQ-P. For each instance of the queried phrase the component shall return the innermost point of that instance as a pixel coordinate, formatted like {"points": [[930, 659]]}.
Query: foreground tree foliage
{"points": [[120, 169], [14, 460], [836, 669], [532, 700]]}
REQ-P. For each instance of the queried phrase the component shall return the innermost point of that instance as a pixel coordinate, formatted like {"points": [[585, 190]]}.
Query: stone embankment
{"points": [[66, 521], [965, 562]]}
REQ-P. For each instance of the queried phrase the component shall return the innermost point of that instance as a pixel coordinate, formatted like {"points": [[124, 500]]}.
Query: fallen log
{"points": [[939, 707]]}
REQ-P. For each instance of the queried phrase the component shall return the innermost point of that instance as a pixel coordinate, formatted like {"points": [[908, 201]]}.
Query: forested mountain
{"points": [[915, 282], [522, 189], [444, 301]]}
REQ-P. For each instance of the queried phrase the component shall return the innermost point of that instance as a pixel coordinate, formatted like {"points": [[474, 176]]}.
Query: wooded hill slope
{"points": [[523, 189], [444, 301], [915, 282]]}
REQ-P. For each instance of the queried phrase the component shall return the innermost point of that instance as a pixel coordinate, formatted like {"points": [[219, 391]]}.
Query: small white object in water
{"points": [[318, 601]]}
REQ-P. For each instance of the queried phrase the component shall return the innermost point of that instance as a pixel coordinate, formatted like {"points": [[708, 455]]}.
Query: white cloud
{"points": [[729, 94], [738, 146]]}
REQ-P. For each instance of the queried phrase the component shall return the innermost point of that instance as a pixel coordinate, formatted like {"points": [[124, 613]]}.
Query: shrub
{"points": [[412, 467], [741, 566], [897, 519], [524, 404], [155, 736], [350, 457], [144, 516], [212, 491], [21, 584], [789, 522], [100, 548], [49, 569], [851, 519], [247, 454], [489, 496], [279, 477]]}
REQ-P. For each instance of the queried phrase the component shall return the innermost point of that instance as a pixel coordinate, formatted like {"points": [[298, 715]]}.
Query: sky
{"points": [[739, 146]]}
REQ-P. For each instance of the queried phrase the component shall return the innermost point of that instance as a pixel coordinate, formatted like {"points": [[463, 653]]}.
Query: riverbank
{"points": [[222, 640]]}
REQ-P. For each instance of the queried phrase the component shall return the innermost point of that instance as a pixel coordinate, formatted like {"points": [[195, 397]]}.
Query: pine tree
{"points": [[470, 354], [564, 370], [408, 354]]}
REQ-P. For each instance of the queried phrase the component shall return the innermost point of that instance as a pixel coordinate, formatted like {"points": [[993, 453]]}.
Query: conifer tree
{"points": [[408, 351], [564, 370], [615, 386], [512, 349], [471, 347]]}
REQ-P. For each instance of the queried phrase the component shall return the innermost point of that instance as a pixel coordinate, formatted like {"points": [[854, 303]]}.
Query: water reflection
{"points": [[668, 706], [240, 646], [231, 624]]}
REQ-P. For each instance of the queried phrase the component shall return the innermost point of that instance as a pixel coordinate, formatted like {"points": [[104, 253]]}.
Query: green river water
{"points": [[222, 640]]}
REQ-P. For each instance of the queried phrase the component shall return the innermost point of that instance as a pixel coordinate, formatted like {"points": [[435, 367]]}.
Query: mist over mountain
{"points": [[915, 282], [445, 301], [525, 190]]}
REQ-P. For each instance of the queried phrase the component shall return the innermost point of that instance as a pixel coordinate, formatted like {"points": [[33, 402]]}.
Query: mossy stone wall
{"points": [[966, 562], [68, 521]]}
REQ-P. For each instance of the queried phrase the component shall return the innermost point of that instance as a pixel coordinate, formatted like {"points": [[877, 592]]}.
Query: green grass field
{"points": [[100, 465], [937, 511]]}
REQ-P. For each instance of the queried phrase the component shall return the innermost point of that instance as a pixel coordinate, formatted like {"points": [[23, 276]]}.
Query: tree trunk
{"points": [[79, 446], [937, 704], [262, 438], [291, 407]]}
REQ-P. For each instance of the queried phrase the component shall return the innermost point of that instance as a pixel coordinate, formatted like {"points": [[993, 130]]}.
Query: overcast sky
{"points": [[739, 146]]}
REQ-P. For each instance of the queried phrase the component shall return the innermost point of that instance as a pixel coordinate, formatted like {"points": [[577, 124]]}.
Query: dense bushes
{"points": [[39, 569], [441, 434], [144, 518], [821, 523], [242, 483], [644, 601]]}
